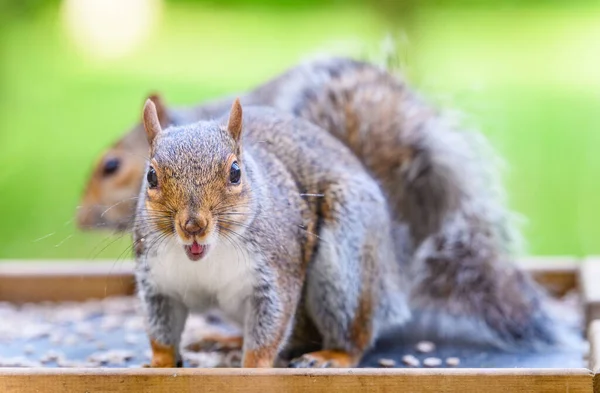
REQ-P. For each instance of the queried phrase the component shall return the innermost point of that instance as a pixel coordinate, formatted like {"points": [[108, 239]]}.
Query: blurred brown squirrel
{"points": [[294, 238], [453, 235]]}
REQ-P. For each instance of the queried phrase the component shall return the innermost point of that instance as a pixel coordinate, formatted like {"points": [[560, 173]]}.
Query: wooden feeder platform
{"points": [[480, 370]]}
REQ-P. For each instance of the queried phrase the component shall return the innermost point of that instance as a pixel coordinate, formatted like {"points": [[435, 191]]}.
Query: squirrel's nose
{"points": [[195, 226]]}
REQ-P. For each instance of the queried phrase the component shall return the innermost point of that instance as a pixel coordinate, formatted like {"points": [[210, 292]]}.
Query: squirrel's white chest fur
{"points": [[224, 278]]}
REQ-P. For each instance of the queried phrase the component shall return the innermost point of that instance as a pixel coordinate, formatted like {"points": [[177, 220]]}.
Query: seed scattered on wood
{"points": [[411, 361], [88, 329], [115, 357], [56, 339], [71, 340], [233, 359], [203, 359], [131, 339], [63, 362], [18, 361], [54, 355], [453, 361], [425, 346], [134, 323], [85, 331], [111, 322], [432, 362], [383, 362]]}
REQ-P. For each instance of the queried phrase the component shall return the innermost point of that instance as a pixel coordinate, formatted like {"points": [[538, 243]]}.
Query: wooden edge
{"points": [[37, 281], [59, 267], [594, 339], [67, 281], [558, 275], [296, 380], [593, 334], [589, 277]]}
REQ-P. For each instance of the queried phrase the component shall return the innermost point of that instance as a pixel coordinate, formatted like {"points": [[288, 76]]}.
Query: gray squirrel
{"points": [[223, 220], [453, 235]]}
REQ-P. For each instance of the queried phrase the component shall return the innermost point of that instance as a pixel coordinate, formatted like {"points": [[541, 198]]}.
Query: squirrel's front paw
{"points": [[333, 359], [163, 356], [162, 365]]}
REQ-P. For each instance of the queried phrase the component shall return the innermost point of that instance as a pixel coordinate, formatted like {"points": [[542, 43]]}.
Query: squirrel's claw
{"points": [[179, 364], [323, 359]]}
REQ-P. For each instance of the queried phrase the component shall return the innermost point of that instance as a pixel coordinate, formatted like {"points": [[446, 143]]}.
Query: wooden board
{"points": [[589, 277], [38, 281], [290, 380], [22, 282]]}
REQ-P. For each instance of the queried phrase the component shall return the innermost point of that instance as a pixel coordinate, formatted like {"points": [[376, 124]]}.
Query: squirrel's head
{"points": [[110, 196], [196, 186]]}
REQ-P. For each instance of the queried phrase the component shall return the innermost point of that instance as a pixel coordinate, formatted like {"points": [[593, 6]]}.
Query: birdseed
{"points": [[411, 361], [425, 346], [453, 361], [432, 362], [387, 362]]}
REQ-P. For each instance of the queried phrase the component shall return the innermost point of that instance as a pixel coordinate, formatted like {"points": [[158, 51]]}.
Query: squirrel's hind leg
{"points": [[346, 295]]}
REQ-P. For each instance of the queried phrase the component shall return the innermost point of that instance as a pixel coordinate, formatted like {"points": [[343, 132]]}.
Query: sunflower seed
{"points": [[453, 361], [411, 361], [432, 362], [387, 362], [425, 346]]}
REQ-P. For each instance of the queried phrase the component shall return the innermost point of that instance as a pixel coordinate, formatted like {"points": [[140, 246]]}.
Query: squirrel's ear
{"points": [[150, 121], [161, 109], [234, 124]]}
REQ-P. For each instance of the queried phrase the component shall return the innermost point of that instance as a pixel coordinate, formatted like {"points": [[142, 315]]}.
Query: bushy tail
{"points": [[474, 289], [462, 262]]}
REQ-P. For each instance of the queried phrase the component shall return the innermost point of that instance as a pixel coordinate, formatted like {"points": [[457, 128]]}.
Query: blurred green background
{"points": [[74, 73]]}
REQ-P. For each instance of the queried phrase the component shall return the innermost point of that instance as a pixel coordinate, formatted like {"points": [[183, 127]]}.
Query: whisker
{"points": [[113, 241], [117, 204], [233, 222], [64, 240], [231, 231], [235, 245], [44, 237], [309, 232]]}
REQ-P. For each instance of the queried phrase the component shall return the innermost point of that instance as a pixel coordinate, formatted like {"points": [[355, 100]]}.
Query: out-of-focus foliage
{"points": [[524, 72]]}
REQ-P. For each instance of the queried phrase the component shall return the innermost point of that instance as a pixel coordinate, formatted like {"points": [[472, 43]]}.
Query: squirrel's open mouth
{"points": [[196, 251]]}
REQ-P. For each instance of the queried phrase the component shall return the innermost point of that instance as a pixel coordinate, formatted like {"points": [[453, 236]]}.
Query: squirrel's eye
{"points": [[111, 166], [152, 178], [235, 173]]}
